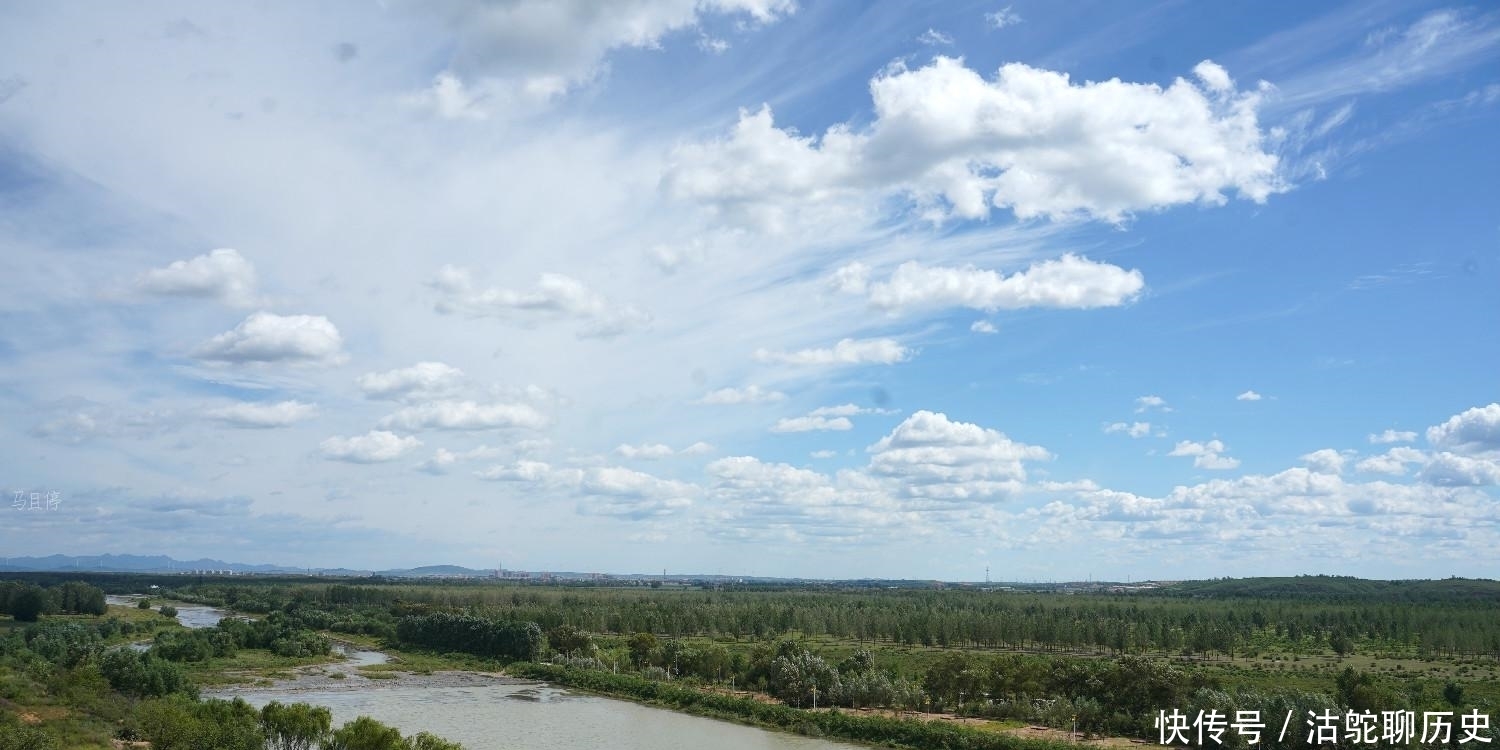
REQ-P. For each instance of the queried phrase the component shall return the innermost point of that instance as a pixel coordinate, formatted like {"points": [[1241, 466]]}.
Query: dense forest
{"points": [[1099, 662]]}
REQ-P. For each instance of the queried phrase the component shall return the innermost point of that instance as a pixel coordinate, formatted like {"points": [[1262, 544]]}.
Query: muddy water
{"points": [[484, 712]]}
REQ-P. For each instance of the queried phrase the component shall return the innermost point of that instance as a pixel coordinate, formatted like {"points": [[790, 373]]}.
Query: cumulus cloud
{"points": [[267, 337], [812, 424], [1209, 455], [1393, 461], [1475, 430], [423, 380], [845, 352], [223, 274], [376, 446], [753, 394], [1249, 396], [1392, 436], [1030, 140], [1067, 282], [1325, 461], [1451, 470], [555, 296], [983, 326], [935, 457], [1133, 429], [626, 493], [257, 415], [1147, 403], [465, 415]]}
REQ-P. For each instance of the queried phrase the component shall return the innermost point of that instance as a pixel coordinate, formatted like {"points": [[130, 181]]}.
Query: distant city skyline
{"points": [[789, 289]]}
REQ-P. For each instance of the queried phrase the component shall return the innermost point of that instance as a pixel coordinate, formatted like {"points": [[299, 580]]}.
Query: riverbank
{"points": [[833, 724]]}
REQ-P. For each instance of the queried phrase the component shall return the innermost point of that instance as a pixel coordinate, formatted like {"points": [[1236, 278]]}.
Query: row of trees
{"points": [[473, 634], [26, 602], [178, 723], [1136, 623]]}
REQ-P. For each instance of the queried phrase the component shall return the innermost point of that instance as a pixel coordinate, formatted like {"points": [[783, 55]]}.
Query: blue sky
{"points": [[754, 286]]}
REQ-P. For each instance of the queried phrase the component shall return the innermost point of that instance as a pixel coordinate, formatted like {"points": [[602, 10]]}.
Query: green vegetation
{"points": [[69, 680], [847, 662]]}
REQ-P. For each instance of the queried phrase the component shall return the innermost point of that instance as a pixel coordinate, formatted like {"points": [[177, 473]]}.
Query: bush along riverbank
{"points": [[834, 724]]}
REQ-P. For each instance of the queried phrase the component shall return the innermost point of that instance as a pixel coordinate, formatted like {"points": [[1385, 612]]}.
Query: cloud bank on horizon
{"points": [[750, 286]]}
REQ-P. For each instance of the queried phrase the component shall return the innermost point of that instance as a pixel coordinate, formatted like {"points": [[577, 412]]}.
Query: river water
{"points": [[191, 615], [513, 714], [485, 712]]}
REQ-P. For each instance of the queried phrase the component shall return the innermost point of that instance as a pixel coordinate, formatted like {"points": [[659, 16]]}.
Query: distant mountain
{"points": [[164, 564], [436, 571], [132, 564]]}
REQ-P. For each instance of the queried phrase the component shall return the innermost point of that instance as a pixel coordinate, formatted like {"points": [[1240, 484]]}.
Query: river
{"points": [[191, 615], [488, 712], [515, 714]]}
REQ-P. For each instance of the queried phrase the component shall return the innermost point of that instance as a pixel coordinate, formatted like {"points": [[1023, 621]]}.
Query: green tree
{"points": [[28, 604], [569, 640], [298, 726], [366, 733], [17, 736], [425, 741]]}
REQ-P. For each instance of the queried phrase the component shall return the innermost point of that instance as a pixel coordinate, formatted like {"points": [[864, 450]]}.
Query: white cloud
{"points": [[1249, 396], [983, 326], [1213, 76], [825, 453], [845, 352], [1205, 455], [1475, 430], [645, 451], [522, 51], [1147, 403], [1393, 461], [1002, 18], [267, 337], [443, 459], [935, 457], [848, 410], [812, 424], [375, 446], [423, 380], [626, 493], [1066, 282], [223, 274], [753, 394], [256, 415], [465, 415], [1325, 461], [450, 99], [1029, 140], [712, 44], [699, 448], [555, 296], [657, 451], [1133, 429], [934, 38], [524, 471], [1451, 470], [1392, 436]]}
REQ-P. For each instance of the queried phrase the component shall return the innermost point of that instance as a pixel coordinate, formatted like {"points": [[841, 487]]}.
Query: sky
{"points": [[804, 288]]}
